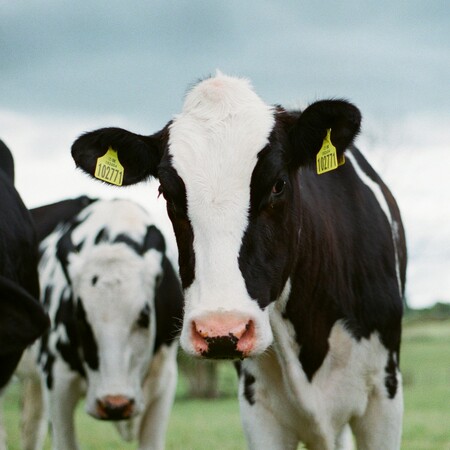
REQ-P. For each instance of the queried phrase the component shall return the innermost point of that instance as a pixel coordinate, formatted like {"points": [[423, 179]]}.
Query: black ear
{"points": [[310, 129], [139, 155], [22, 317]]}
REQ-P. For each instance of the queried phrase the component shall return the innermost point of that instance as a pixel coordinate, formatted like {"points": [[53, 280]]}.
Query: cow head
{"points": [[228, 166], [113, 289]]}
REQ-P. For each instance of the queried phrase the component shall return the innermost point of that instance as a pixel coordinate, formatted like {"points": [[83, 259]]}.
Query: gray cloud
{"points": [[137, 58]]}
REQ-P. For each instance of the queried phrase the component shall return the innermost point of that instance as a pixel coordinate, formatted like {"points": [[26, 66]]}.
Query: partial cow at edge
{"points": [[22, 318], [299, 274], [115, 305]]}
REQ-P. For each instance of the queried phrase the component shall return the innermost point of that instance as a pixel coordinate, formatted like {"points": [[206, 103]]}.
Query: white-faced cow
{"points": [[115, 305], [300, 275]]}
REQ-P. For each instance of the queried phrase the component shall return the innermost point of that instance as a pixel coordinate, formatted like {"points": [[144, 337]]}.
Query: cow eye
{"points": [[278, 187]]}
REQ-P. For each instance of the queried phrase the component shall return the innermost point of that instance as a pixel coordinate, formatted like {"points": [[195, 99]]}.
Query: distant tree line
{"points": [[439, 311]]}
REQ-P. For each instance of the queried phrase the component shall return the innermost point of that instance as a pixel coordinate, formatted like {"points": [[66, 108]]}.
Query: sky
{"points": [[69, 67]]}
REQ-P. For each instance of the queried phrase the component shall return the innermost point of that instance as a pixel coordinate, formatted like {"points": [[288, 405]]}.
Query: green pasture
{"points": [[215, 424]]}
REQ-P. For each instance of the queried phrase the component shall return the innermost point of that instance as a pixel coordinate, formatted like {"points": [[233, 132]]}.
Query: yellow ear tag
{"points": [[326, 159], [109, 169]]}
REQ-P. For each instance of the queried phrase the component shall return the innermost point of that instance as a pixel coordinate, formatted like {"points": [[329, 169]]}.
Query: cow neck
{"points": [[311, 305]]}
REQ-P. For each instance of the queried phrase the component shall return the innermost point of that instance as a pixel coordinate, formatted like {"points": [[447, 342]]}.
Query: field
{"points": [[215, 424]]}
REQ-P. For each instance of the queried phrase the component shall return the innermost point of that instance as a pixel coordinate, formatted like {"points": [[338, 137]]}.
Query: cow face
{"points": [[113, 290], [228, 167]]}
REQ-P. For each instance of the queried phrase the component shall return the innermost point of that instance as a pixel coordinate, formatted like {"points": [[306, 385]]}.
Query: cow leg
{"points": [[345, 439], [159, 392], [380, 427], [33, 421], [262, 429], [62, 400]]}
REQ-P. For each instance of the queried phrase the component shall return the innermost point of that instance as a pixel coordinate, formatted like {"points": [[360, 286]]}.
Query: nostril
{"points": [[198, 339], [246, 341]]}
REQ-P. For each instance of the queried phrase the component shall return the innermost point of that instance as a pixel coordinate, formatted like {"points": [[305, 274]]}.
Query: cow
{"points": [[292, 258], [115, 305], [22, 318]]}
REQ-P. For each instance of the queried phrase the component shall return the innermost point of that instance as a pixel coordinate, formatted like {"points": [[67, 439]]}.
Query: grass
{"points": [[215, 424], [426, 374]]}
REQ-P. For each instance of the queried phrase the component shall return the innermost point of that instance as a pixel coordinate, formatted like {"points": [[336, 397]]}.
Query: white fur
{"points": [[125, 284], [214, 145]]}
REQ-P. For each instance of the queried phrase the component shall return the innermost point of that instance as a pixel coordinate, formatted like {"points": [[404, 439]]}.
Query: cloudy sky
{"points": [[68, 67]]}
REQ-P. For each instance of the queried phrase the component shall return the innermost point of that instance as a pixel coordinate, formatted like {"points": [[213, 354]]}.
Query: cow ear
{"points": [[139, 155], [310, 129], [22, 317]]}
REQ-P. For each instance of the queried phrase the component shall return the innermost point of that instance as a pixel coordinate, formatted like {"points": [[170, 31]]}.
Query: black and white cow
{"points": [[300, 275], [115, 305], [22, 318]]}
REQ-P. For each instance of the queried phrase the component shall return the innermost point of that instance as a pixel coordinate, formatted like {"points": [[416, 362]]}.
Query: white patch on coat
{"points": [[214, 145], [378, 193], [348, 388]]}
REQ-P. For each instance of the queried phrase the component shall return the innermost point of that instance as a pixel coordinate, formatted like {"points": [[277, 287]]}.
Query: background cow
{"points": [[115, 302], [301, 275], [22, 318]]}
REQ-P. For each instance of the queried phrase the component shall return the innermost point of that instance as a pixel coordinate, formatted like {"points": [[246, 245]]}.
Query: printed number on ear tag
{"points": [[109, 169], [326, 159]]}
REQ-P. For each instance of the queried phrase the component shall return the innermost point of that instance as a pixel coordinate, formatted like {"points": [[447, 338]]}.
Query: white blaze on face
{"points": [[214, 145], [114, 285]]}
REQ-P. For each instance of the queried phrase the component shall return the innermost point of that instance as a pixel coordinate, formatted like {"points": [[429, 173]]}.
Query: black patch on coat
{"points": [[125, 239], [169, 303], [65, 247], [249, 388], [48, 369], [65, 316], [144, 317], [47, 296], [390, 380], [87, 338], [174, 191], [101, 236], [154, 240]]}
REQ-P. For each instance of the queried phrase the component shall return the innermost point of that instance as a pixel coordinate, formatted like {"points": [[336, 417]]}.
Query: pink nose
{"points": [[223, 336], [115, 407]]}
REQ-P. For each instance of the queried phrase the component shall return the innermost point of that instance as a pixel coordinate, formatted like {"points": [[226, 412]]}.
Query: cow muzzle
{"points": [[223, 336], [115, 407]]}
